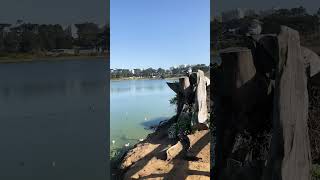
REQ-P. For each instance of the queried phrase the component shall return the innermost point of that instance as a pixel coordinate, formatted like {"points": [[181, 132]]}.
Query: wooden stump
{"points": [[185, 88], [232, 98], [237, 67]]}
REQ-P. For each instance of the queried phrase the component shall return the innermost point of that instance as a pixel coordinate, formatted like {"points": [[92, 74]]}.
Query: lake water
{"points": [[53, 118], [135, 105]]}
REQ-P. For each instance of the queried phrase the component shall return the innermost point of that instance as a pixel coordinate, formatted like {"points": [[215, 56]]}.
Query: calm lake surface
{"points": [[53, 119], [135, 105]]}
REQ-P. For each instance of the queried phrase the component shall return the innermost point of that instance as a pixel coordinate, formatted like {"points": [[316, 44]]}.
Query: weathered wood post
{"points": [[182, 93], [185, 88], [201, 97], [232, 96], [290, 157]]}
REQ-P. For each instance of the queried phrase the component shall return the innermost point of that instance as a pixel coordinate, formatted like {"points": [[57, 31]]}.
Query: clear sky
{"points": [[55, 11], [219, 6], [159, 33]]}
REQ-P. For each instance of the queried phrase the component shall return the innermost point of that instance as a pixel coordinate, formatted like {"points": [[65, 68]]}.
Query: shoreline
{"points": [[146, 156], [126, 79], [116, 170], [5, 60]]}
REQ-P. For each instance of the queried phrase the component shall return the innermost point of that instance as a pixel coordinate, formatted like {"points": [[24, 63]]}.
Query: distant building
{"points": [[232, 14]]}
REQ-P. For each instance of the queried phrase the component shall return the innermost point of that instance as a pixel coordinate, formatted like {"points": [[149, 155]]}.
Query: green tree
{"points": [[2, 35], [149, 72], [161, 71], [88, 34], [300, 11], [11, 42]]}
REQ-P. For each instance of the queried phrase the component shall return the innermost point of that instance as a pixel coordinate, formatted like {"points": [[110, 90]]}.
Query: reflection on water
{"points": [[52, 120], [135, 105], [137, 86], [61, 87]]}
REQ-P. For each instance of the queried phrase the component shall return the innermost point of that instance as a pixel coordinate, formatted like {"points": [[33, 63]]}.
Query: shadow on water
{"points": [[153, 123], [45, 88], [148, 125], [137, 86]]}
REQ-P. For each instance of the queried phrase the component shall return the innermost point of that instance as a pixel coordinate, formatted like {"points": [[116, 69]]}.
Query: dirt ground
{"points": [[151, 160]]}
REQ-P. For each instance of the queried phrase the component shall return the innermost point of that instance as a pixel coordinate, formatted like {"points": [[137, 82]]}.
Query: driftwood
{"points": [[192, 91], [174, 86], [240, 97], [290, 157], [263, 92], [311, 61], [201, 97], [192, 109]]}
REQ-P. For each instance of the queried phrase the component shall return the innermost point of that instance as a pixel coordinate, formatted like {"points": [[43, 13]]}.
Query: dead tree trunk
{"points": [[234, 98], [290, 149]]}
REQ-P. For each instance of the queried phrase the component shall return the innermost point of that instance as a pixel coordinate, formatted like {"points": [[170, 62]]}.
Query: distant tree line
{"points": [[299, 19], [158, 73], [32, 38]]}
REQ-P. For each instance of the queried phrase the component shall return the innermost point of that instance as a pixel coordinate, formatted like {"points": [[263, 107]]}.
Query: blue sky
{"points": [[159, 33]]}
